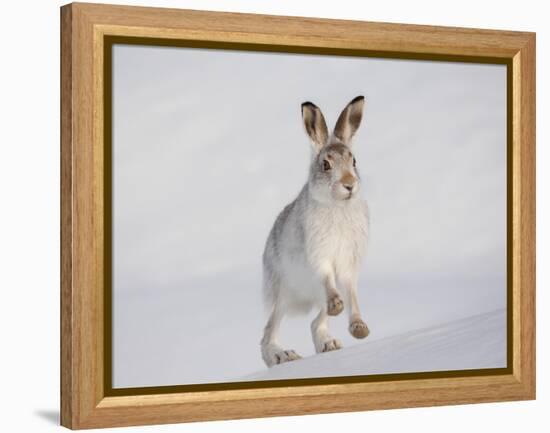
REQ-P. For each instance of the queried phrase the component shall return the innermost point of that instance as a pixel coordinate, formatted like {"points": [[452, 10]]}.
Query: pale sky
{"points": [[209, 146]]}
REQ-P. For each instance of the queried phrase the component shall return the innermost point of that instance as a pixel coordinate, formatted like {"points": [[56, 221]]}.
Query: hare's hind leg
{"points": [[272, 352], [322, 340]]}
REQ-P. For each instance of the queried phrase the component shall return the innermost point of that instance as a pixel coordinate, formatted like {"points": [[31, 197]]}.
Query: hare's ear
{"points": [[349, 120], [315, 125]]}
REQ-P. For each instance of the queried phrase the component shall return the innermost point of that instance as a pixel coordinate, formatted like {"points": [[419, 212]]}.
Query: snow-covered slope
{"points": [[471, 343]]}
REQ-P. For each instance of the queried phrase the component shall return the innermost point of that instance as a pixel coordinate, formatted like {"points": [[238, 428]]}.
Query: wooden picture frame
{"points": [[87, 33]]}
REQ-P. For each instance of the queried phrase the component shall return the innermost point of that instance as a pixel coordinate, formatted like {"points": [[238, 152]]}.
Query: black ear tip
{"points": [[357, 99], [308, 104]]}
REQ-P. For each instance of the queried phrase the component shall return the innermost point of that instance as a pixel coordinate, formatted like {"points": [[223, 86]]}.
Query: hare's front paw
{"points": [[330, 345], [358, 329], [285, 356], [335, 305]]}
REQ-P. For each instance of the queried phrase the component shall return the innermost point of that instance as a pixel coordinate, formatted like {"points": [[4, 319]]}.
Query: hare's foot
{"points": [[322, 340], [286, 355], [273, 354], [335, 305], [358, 328], [330, 345]]}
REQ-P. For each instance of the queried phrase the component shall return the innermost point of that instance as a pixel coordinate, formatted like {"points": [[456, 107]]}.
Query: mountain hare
{"points": [[316, 244]]}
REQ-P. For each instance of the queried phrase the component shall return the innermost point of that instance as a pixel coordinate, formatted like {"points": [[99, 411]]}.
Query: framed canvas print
{"points": [[266, 215]]}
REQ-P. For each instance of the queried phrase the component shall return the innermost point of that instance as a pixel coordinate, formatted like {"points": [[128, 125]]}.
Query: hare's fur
{"points": [[317, 242]]}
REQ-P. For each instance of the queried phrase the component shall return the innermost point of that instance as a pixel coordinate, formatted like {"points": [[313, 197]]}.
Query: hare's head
{"points": [[333, 174]]}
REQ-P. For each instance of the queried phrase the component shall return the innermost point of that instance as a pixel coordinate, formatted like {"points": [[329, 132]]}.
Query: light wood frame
{"points": [[85, 402]]}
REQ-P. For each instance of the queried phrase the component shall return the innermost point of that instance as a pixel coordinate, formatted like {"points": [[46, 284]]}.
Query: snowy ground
{"points": [[170, 336], [471, 343], [187, 337]]}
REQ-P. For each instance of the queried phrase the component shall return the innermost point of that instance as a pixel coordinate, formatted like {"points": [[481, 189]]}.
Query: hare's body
{"points": [[307, 238], [317, 241]]}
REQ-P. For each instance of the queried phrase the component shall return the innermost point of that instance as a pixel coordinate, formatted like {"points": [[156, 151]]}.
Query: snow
{"points": [[473, 343], [211, 334]]}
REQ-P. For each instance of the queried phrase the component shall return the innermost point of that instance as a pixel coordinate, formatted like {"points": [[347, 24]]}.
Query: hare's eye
{"points": [[354, 161], [326, 165]]}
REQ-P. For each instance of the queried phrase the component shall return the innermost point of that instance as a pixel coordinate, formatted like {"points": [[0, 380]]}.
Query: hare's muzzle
{"points": [[349, 183], [349, 187]]}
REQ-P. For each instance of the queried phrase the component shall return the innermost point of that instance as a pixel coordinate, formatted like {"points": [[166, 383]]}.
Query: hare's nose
{"points": [[348, 187]]}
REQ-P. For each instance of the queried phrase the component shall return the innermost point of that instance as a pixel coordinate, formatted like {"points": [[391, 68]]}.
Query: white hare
{"points": [[316, 244]]}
